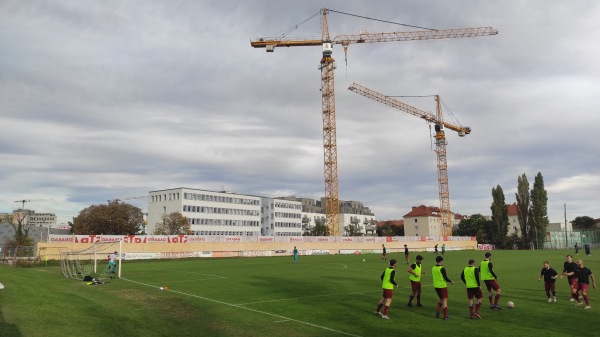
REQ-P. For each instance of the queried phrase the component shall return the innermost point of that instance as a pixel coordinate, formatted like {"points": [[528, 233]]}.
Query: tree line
{"points": [[532, 215]]}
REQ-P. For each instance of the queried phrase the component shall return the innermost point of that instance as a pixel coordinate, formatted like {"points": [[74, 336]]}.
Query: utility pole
{"points": [[566, 234]]}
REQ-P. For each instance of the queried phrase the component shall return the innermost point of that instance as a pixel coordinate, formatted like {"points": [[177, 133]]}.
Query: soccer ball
{"points": [[364, 260], [510, 304]]}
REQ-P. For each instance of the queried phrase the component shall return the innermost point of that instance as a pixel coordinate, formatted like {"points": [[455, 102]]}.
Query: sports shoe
{"points": [[477, 315], [578, 304], [437, 314], [587, 307], [409, 305], [549, 300], [419, 305], [554, 299], [446, 318], [571, 299], [384, 317], [496, 306], [472, 317], [377, 313], [492, 306]]}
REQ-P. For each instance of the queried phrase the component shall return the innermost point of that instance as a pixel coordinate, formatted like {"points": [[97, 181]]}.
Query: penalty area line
{"points": [[248, 309]]}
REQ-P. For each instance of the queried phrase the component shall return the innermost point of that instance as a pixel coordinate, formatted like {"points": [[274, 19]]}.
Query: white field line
{"points": [[301, 298], [249, 309]]}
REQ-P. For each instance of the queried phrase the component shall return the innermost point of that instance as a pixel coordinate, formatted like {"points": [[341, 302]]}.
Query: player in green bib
{"points": [[491, 280], [387, 283], [415, 281], [470, 276], [438, 272]]}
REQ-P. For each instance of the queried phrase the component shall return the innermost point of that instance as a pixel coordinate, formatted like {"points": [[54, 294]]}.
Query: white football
{"points": [[364, 260], [510, 304]]}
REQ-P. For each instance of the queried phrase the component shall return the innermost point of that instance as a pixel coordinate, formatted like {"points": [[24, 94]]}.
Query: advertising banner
{"points": [[485, 246]]}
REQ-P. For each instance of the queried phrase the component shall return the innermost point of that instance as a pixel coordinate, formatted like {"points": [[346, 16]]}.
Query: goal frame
{"points": [[76, 263]]}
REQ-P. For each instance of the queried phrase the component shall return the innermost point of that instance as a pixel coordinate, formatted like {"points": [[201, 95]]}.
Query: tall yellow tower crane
{"points": [[327, 65], [440, 144]]}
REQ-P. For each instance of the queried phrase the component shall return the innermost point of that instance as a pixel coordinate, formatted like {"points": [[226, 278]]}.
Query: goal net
{"points": [[99, 260]]}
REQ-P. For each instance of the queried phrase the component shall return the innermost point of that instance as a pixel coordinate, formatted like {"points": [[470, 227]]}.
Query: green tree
{"points": [[114, 218], [353, 230], [583, 222], [498, 227], [523, 202], [319, 229], [18, 221], [539, 211], [172, 224], [471, 225]]}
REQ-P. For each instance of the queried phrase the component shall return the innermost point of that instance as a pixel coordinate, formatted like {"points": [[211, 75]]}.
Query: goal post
{"points": [[92, 261]]}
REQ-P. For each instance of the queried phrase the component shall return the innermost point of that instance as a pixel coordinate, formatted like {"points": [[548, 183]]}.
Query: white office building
{"points": [[281, 217], [225, 213], [209, 212]]}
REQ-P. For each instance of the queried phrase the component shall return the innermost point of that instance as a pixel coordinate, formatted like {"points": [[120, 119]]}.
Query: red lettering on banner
{"points": [[294, 239], [233, 239], [266, 239], [134, 239], [89, 239], [178, 239]]}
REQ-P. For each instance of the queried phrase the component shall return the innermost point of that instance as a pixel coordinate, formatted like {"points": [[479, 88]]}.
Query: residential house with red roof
{"points": [[426, 221]]}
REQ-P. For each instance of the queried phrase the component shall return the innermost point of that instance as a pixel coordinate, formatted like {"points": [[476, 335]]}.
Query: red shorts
{"points": [[573, 282], [492, 284], [442, 293], [387, 293], [583, 287], [474, 292], [415, 286], [549, 286]]}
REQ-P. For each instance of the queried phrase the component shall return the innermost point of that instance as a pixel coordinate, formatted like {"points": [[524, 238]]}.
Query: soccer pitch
{"points": [[332, 295]]}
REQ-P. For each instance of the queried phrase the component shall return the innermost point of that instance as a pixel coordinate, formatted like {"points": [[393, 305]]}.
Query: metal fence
{"points": [[562, 240]]}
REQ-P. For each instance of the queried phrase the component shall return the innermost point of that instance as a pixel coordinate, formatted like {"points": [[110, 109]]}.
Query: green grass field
{"points": [[319, 296]]}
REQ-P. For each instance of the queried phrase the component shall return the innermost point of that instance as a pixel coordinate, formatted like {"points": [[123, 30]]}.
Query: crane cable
{"points": [[288, 31], [385, 21]]}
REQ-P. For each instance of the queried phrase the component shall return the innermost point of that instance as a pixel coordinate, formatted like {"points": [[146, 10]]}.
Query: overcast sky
{"points": [[112, 99]]}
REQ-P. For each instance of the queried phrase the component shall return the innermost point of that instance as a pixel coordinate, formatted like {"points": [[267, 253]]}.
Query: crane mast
{"points": [[440, 144], [327, 66], [442, 167]]}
